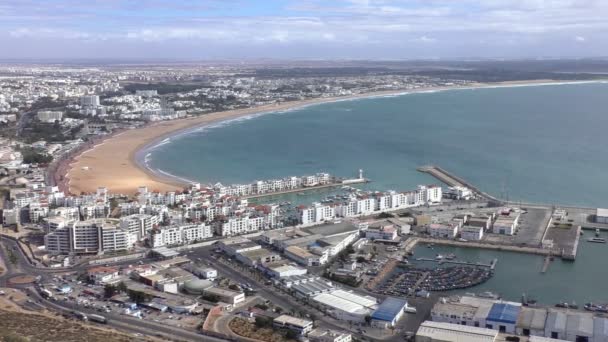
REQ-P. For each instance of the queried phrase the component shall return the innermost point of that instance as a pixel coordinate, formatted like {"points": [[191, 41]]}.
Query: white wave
{"points": [[170, 175]]}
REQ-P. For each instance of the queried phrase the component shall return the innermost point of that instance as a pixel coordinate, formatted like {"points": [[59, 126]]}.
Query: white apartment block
{"points": [[317, 213], [177, 235], [240, 225], [89, 237], [48, 116], [139, 224]]}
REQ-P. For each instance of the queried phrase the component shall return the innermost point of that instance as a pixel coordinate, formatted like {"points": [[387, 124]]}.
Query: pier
{"points": [[469, 244], [453, 180], [346, 182], [491, 265]]}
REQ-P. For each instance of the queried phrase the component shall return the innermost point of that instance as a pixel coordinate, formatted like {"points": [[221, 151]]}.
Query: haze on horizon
{"points": [[309, 29]]}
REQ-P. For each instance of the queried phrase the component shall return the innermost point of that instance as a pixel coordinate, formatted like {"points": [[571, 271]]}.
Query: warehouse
{"points": [[531, 322], [556, 324], [447, 332], [504, 317], [344, 305], [298, 325], [388, 313], [601, 216], [579, 327]]}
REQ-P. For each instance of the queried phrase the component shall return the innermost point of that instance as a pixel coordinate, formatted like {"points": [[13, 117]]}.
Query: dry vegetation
{"points": [[247, 329], [20, 326]]}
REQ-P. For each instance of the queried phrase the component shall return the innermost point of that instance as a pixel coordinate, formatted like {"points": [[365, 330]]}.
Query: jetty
{"points": [[452, 180], [491, 265], [345, 182]]}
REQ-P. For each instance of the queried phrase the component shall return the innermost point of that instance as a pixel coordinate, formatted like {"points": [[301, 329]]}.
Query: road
{"points": [[276, 296], [133, 325]]}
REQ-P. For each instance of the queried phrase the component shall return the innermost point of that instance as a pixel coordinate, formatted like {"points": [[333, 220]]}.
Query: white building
{"points": [[601, 216], [178, 235], [48, 116], [317, 213], [505, 225], [446, 231], [345, 306], [326, 335], [447, 332], [89, 101], [139, 224], [298, 325], [470, 233]]}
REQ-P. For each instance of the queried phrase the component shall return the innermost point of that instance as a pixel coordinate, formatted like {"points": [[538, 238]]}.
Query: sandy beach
{"points": [[112, 162]]}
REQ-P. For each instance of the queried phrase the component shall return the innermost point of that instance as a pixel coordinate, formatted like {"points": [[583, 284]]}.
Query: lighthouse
{"points": [[360, 174]]}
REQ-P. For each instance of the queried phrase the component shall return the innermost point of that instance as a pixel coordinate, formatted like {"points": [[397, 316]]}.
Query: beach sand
{"points": [[112, 163]]}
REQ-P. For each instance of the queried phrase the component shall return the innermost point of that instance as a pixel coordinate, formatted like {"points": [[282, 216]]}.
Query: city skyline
{"points": [[349, 29]]}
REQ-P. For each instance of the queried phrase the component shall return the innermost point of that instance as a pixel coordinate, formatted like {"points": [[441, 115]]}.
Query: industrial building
{"points": [[503, 317], [345, 306], [601, 216], [531, 321], [298, 325], [388, 313], [226, 296], [448, 332], [512, 318], [326, 335]]}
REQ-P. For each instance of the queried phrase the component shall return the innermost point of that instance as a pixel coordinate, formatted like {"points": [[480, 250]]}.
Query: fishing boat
{"points": [[451, 256], [439, 257]]}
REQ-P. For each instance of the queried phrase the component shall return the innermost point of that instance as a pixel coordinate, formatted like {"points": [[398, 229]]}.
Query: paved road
{"points": [[134, 325], [277, 297]]}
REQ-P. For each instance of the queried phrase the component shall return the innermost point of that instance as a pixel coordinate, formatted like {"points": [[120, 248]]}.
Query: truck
{"points": [[98, 318], [45, 293], [80, 315]]}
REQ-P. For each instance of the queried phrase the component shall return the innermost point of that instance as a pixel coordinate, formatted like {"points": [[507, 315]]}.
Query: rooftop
{"points": [[532, 318], [333, 229], [340, 304], [286, 319], [439, 331], [602, 212], [389, 309], [504, 313]]}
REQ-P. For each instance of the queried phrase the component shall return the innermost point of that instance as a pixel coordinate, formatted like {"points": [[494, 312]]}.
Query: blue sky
{"points": [[290, 29]]}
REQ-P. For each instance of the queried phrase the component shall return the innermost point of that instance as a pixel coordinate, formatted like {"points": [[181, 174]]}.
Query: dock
{"points": [[452, 180], [491, 265], [346, 182]]}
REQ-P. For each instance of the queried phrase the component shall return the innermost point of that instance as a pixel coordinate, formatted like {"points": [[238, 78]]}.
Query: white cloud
{"points": [[580, 39], [424, 39]]}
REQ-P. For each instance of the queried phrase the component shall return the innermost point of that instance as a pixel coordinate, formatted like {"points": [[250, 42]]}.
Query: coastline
{"points": [[118, 162]]}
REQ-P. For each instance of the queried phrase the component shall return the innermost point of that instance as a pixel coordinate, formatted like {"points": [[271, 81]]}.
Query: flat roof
{"points": [[390, 308], [504, 313], [440, 331], [333, 229], [365, 301], [602, 212], [580, 324], [532, 318], [286, 319], [556, 321], [338, 303]]}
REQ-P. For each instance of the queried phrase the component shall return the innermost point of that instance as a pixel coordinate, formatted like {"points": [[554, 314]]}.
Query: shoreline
{"points": [[118, 161]]}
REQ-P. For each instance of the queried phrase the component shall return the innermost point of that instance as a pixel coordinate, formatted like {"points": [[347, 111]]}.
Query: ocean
{"points": [[534, 143], [539, 143]]}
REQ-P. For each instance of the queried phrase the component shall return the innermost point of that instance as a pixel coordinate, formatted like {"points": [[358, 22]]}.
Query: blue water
{"points": [[542, 144]]}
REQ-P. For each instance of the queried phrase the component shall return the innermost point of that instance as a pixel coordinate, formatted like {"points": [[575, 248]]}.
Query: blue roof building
{"points": [[389, 312], [503, 317]]}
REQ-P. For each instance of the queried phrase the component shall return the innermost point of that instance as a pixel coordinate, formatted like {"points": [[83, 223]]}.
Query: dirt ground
{"points": [[17, 324]]}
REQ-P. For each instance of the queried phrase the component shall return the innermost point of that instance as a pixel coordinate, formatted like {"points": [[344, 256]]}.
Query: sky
{"points": [[302, 29]]}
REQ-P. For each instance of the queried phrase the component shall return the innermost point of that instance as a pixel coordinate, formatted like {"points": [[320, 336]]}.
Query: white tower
{"points": [[360, 174]]}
